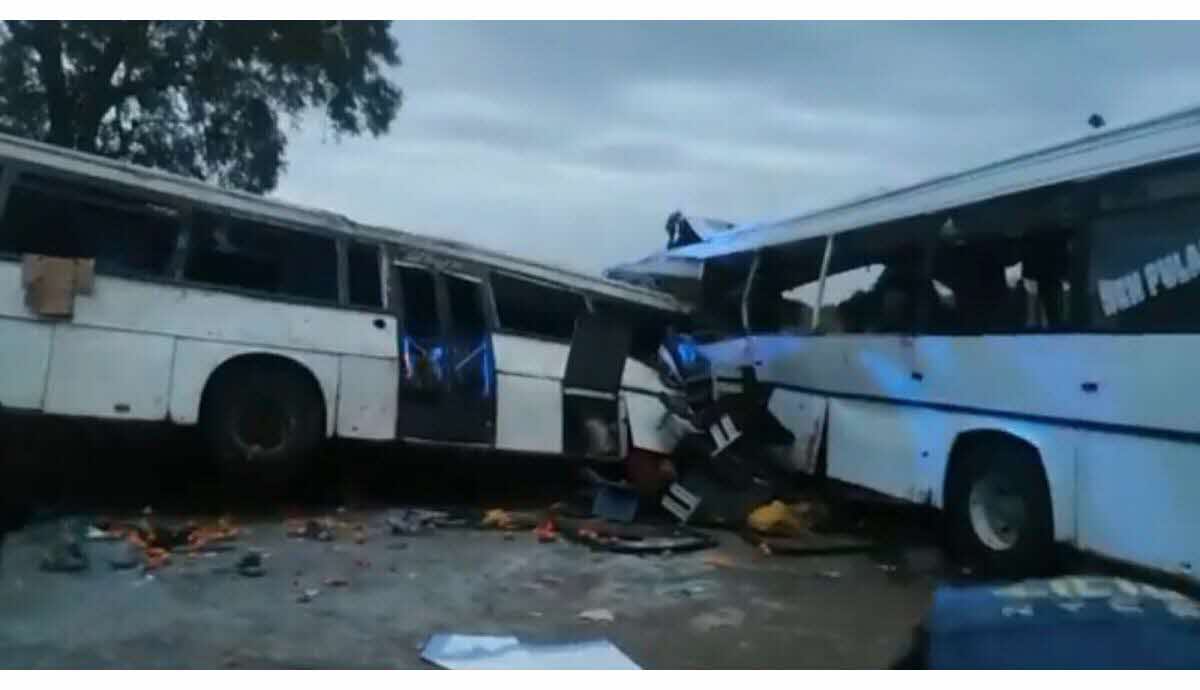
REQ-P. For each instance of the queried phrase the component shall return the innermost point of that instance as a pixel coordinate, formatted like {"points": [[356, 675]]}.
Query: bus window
{"points": [[468, 329], [124, 233], [466, 306], [783, 294], [419, 297], [366, 288], [1143, 270], [535, 309], [1003, 283], [246, 254]]}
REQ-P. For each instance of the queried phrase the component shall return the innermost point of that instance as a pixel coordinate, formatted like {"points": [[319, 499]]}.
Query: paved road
{"points": [[676, 611]]}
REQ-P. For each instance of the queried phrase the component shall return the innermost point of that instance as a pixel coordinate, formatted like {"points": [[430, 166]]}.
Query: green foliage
{"points": [[206, 99]]}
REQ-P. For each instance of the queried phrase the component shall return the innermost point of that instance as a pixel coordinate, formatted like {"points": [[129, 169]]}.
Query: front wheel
{"points": [[998, 510], [262, 416]]}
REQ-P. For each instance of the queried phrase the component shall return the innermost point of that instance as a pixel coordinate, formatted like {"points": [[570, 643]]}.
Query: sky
{"points": [[571, 142]]}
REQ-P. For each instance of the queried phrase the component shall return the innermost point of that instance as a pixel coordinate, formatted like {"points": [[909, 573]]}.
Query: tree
{"points": [[204, 99]]}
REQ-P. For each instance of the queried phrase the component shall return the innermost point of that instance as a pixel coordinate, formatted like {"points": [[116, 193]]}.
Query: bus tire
{"points": [[999, 517], [262, 415]]}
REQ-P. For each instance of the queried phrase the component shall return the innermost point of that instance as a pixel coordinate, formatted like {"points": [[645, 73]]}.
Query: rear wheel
{"points": [[998, 509], [264, 417]]}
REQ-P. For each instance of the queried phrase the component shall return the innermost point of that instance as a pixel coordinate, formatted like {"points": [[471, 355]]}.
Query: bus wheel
{"points": [[998, 509], [262, 415]]}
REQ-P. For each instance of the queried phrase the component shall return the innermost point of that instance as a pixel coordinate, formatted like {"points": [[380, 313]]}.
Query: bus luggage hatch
{"points": [[593, 413]]}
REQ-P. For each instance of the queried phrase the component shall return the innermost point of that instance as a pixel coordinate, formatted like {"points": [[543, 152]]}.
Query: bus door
{"points": [[594, 418], [447, 376], [471, 368]]}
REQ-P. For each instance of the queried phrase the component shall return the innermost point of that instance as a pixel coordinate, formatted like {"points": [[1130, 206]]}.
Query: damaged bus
{"points": [[1013, 344], [130, 294]]}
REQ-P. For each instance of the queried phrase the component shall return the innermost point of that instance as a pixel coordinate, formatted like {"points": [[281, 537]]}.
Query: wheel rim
{"points": [[263, 425], [998, 511]]}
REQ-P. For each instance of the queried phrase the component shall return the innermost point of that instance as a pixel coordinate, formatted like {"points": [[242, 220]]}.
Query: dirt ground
{"points": [[725, 607], [674, 611]]}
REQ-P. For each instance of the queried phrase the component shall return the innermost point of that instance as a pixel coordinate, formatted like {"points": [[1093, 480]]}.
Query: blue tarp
{"points": [[1068, 622]]}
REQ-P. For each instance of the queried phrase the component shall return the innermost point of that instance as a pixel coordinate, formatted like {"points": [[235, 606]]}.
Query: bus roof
{"points": [[39, 154], [1160, 139]]}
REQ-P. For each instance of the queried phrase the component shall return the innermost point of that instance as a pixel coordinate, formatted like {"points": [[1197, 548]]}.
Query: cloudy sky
{"points": [[572, 142]]}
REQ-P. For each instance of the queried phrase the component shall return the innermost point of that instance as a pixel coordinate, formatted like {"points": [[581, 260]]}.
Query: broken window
{"points": [[783, 293], [724, 291], [466, 306], [648, 325], [536, 309], [876, 281], [468, 326], [1143, 269], [419, 296], [126, 234], [251, 255], [366, 288], [1004, 272]]}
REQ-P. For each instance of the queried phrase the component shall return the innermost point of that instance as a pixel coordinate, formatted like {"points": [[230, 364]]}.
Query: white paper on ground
{"points": [[454, 651]]}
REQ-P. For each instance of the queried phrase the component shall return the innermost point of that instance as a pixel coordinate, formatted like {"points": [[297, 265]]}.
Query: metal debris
{"points": [[498, 652], [597, 616]]}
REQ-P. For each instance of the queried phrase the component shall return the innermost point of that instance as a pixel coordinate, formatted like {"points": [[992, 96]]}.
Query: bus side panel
{"points": [[195, 312], [904, 451], [24, 344], [196, 360], [529, 375], [1137, 501], [109, 374], [367, 396], [879, 446], [529, 414]]}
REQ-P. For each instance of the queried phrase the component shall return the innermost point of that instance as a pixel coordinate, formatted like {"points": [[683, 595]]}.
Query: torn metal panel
{"points": [[505, 652], [803, 414]]}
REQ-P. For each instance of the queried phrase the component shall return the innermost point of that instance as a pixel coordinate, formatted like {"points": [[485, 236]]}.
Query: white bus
{"points": [[1015, 345], [129, 294]]}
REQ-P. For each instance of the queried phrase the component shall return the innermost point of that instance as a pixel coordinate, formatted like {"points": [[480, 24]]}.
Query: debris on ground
{"points": [[96, 534], [720, 560], [307, 595], [154, 539], [777, 518], [692, 589], [336, 582], [809, 544], [503, 652], [126, 555], [597, 616], [416, 520], [634, 538], [65, 556], [546, 532], [726, 617], [830, 574], [251, 565], [497, 518], [316, 530], [616, 503]]}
